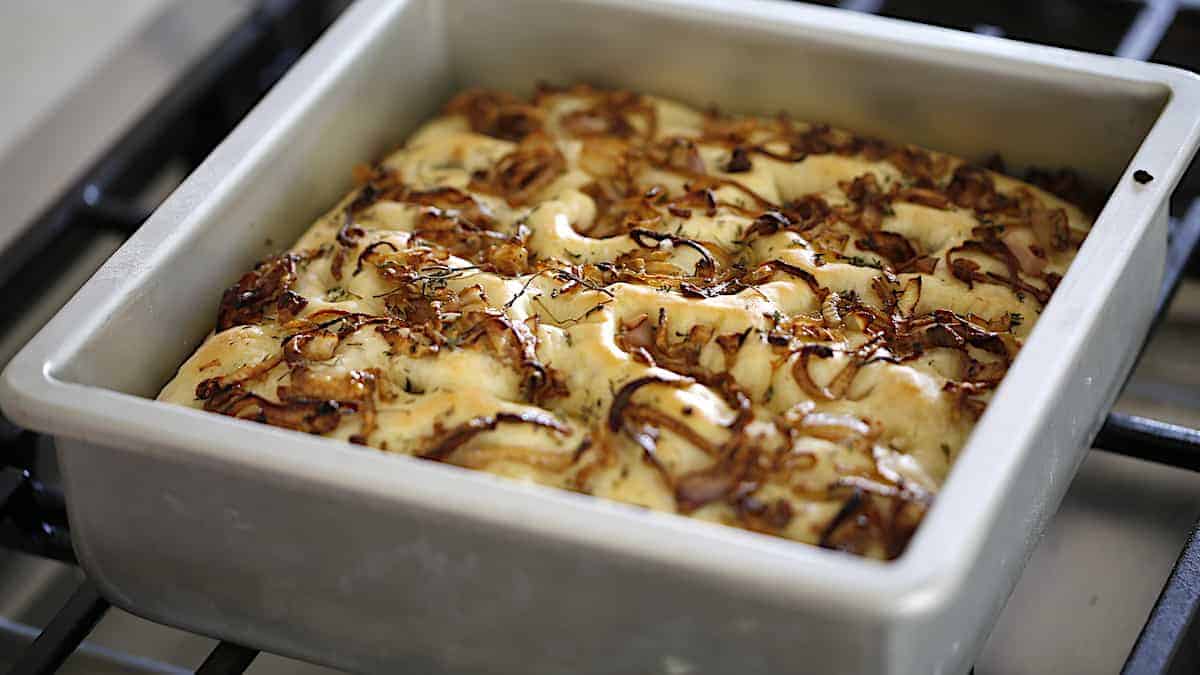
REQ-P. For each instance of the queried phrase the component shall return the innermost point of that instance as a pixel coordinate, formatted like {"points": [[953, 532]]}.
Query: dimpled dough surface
{"points": [[752, 321]]}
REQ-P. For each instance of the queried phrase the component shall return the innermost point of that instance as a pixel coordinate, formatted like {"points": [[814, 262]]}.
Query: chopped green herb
{"points": [[859, 261], [337, 294]]}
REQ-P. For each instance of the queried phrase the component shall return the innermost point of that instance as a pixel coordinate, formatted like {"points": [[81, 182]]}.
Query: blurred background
{"points": [[108, 106]]}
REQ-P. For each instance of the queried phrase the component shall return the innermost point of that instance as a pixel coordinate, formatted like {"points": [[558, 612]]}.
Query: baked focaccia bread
{"points": [[759, 322]]}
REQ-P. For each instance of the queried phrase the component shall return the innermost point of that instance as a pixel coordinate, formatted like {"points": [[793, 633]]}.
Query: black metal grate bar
{"points": [[227, 659], [1152, 440], [1185, 236], [1168, 643], [64, 632], [865, 6], [33, 517], [1145, 438]]}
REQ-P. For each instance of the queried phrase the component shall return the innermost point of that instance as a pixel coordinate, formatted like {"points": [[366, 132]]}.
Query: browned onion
{"points": [[1051, 228], [1024, 247], [657, 418], [706, 265], [258, 289], [318, 345], [621, 399], [698, 488], [925, 197], [477, 425], [893, 247], [639, 333], [835, 427]]}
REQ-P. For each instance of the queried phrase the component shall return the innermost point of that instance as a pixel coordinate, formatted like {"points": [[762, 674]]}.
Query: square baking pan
{"points": [[374, 562]]}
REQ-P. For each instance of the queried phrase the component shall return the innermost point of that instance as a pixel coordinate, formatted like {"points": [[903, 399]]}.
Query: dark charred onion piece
{"points": [[616, 413], [799, 215], [617, 214], [821, 139], [647, 415], [209, 388], [367, 195], [870, 201], [739, 161], [701, 197], [973, 188], [227, 396], [890, 246], [477, 425], [874, 517], [536, 377], [369, 250], [453, 202], [496, 113], [245, 302], [925, 197], [920, 265], [918, 163], [800, 273], [808, 211], [349, 234], [767, 224], [840, 384], [763, 516], [849, 508], [493, 251], [705, 266], [313, 417], [290, 304], [968, 271], [524, 172]]}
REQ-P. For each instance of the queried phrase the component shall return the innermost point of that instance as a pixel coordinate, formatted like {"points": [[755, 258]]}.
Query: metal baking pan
{"points": [[373, 562]]}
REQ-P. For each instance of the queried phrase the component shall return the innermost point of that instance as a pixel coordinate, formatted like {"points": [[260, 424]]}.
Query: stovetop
{"points": [[1087, 591]]}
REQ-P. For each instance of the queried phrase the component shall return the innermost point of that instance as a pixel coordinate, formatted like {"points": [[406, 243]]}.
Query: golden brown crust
{"points": [[759, 322]]}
